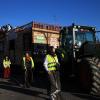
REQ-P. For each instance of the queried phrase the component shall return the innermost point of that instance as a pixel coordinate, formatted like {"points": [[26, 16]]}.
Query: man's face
{"points": [[6, 57], [27, 54]]}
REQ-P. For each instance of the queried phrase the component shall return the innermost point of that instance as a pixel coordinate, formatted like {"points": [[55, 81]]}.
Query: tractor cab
{"points": [[83, 57], [78, 40]]}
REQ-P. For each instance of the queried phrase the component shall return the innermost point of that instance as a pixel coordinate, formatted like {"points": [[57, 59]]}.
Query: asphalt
{"points": [[12, 89]]}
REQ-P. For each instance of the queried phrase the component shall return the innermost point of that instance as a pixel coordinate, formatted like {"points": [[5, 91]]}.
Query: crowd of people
{"points": [[51, 65]]}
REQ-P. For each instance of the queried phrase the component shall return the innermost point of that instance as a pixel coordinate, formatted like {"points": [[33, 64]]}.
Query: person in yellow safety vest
{"points": [[28, 64], [51, 65], [6, 65]]}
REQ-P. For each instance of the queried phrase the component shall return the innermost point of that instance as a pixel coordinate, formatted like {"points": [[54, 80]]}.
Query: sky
{"points": [[60, 12]]}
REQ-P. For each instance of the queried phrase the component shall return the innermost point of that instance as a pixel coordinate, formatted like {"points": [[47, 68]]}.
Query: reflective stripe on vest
{"points": [[52, 62]]}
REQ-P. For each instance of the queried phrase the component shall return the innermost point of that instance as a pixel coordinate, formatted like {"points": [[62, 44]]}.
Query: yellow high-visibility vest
{"points": [[31, 62], [52, 62], [6, 63]]}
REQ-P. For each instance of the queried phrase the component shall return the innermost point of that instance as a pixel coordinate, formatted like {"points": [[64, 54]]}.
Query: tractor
{"points": [[82, 56]]}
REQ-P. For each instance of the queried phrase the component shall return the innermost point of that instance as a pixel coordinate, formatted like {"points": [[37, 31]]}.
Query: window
{"points": [[11, 44]]}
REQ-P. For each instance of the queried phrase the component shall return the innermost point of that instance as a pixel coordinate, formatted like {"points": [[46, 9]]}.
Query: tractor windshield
{"points": [[80, 38], [84, 36]]}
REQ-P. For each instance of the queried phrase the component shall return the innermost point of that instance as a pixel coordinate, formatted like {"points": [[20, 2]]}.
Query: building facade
{"points": [[32, 37]]}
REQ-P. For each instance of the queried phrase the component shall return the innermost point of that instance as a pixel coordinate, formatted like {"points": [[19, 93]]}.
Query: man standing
{"points": [[6, 64], [51, 65], [28, 64]]}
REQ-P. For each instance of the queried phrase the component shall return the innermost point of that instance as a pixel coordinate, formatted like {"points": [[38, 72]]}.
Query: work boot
{"points": [[53, 96], [57, 91], [26, 86]]}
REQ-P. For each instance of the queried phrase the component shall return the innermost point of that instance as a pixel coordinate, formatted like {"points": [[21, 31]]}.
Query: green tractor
{"points": [[82, 56]]}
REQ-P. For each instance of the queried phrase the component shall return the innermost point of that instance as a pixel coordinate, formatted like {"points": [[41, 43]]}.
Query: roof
{"points": [[38, 26]]}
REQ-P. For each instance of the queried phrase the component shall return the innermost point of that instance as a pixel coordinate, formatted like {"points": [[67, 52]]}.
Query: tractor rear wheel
{"points": [[89, 74]]}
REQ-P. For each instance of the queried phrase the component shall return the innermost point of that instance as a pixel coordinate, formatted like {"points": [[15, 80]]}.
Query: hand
{"points": [[24, 67], [49, 72]]}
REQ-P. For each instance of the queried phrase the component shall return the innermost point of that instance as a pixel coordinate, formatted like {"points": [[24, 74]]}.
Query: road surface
{"points": [[13, 90]]}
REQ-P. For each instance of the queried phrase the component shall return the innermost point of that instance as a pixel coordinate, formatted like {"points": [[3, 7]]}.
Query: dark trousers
{"points": [[55, 85], [6, 72], [28, 77]]}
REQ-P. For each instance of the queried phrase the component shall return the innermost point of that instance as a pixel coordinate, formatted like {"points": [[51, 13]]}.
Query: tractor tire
{"points": [[95, 68], [89, 74]]}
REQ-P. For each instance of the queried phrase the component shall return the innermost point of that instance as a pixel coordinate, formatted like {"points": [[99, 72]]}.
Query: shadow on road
{"points": [[7, 85], [69, 86]]}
